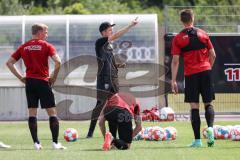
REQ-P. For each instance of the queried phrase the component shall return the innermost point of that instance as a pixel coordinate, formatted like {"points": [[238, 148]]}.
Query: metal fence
{"points": [[213, 19]]}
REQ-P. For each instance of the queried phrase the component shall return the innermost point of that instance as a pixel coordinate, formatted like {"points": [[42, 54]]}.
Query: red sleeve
{"points": [[176, 50], [51, 50], [209, 44], [203, 36], [17, 54]]}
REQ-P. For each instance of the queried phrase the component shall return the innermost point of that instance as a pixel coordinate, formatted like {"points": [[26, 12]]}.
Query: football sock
{"points": [[120, 144], [54, 126], [92, 127], [95, 114], [32, 124], [196, 122], [209, 115], [113, 128]]}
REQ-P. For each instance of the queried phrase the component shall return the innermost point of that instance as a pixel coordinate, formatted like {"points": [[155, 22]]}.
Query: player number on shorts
{"points": [[233, 74]]}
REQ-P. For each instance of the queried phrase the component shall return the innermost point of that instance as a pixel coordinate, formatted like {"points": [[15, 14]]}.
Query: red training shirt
{"points": [[35, 55], [195, 61], [125, 101]]}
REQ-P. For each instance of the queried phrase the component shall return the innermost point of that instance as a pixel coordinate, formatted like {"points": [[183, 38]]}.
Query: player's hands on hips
{"points": [[134, 22], [23, 80], [174, 87], [52, 81]]}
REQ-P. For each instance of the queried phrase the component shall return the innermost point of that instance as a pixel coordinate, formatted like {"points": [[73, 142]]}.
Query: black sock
{"points": [[209, 115], [95, 114], [196, 122], [92, 127], [54, 126], [32, 124], [120, 144], [113, 128]]}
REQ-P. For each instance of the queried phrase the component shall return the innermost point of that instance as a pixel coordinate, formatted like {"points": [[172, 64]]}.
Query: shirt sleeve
{"points": [[209, 43], [99, 47], [51, 50], [102, 41], [176, 50], [17, 54], [205, 39]]}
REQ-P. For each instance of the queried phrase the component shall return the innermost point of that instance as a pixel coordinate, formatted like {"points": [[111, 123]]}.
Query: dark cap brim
{"points": [[105, 25]]}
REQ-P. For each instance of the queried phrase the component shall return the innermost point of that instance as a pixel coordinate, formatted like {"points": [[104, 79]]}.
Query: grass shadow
{"points": [[162, 147], [90, 150]]}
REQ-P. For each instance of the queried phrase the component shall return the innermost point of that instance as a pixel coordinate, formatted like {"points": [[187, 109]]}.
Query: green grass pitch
{"points": [[17, 135]]}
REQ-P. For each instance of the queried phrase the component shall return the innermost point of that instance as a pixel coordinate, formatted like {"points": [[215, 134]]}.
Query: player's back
{"points": [[124, 100], [193, 44], [35, 55]]}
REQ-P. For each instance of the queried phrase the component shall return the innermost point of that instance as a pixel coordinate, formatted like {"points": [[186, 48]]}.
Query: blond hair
{"points": [[38, 27]]}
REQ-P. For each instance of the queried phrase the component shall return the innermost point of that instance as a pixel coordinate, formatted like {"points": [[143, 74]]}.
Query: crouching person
{"points": [[119, 111]]}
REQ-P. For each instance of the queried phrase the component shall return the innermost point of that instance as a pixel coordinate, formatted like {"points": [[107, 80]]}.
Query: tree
{"points": [[36, 3], [105, 6], [76, 8], [13, 7]]}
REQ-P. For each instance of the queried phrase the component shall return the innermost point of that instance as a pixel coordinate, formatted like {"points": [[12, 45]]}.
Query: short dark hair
{"points": [[38, 27], [186, 15]]}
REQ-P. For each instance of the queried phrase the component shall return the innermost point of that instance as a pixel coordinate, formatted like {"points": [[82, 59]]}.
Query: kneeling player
{"points": [[119, 111]]}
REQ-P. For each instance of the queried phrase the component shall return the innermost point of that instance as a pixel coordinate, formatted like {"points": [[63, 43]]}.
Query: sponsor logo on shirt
{"points": [[185, 37], [33, 48]]}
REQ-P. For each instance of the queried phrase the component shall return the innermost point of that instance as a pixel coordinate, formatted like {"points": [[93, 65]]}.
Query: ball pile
{"points": [[157, 133], [221, 132], [225, 132]]}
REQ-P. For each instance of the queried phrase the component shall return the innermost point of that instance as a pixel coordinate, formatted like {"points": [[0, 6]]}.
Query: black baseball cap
{"points": [[105, 25]]}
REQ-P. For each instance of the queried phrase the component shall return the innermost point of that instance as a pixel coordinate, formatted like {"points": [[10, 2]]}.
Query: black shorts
{"points": [[119, 120], [39, 90], [199, 83], [106, 90], [111, 86]]}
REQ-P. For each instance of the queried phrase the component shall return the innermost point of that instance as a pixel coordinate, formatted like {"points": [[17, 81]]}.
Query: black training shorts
{"points": [[199, 83], [36, 90], [119, 119]]}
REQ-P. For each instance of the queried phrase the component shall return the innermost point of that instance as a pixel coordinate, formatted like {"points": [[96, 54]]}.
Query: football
{"points": [[70, 135], [221, 132], [235, 133], [171, 133], [147, 133], [139, 136], [158, 134]]}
